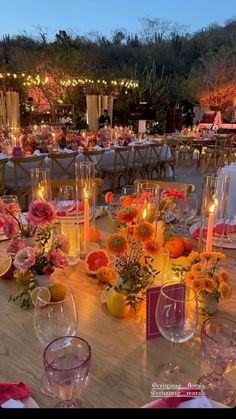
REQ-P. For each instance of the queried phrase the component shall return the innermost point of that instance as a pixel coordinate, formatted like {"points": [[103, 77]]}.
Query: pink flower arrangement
{"points": [[57, 258], [10, 226], [41, 213], [15, 245], [62, 243]]}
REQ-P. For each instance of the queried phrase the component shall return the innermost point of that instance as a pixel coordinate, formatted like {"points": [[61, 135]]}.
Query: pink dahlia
{"points": [[41, 213]]}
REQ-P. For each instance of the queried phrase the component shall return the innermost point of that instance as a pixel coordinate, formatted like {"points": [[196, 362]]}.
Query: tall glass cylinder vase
{"points": [[85, 193], [149, 195], [213, 212], [40, 183]]}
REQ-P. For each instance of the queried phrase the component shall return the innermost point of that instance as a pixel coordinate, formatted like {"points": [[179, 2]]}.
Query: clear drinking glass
{"points": [[67, 362], [176, 319], [12, 203], [55, 319], [66, 199], [218, 339]]}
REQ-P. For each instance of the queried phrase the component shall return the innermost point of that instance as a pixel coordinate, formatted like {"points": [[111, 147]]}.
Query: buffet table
{"points": [[124, 363]]}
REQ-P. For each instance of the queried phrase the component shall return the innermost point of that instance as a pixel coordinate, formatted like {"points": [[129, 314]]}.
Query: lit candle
{"points": [[210, 229], [86, 215], [144, 214]]}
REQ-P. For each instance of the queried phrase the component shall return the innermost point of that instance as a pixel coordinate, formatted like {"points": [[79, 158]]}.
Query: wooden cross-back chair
{"points": [[62, 165], [183, 187], [139, 164], [96, 157], [120, 167]]}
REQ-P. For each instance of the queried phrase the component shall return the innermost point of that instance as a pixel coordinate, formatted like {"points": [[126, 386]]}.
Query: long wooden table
{"points": [[124, 364]]}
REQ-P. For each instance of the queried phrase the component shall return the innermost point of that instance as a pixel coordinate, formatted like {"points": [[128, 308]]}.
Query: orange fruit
{"points": [[175, 246], [95, 260], [188, 247], [116, 304], [58, 292], [7, 268], [43, 293], [105, 275]]}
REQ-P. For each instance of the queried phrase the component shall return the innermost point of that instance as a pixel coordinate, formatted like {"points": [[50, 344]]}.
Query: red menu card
{"points": [[152, 295]]}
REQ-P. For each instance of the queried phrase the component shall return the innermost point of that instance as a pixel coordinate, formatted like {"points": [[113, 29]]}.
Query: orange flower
{"points": [[212, 255], [223, 276], [193, 256], [143, 231], [127, 201], [209, 284], [225, 290], [198, 284], [117, 244], [128, 214], [189, 278], [130, 230], [152, 247], [109, 197], [198, 267]]}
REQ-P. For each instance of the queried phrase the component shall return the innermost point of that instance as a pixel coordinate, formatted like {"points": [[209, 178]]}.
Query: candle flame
{"points": [[85, 192], [148, 206], [41, 191], [144, 214], [212, 208]]}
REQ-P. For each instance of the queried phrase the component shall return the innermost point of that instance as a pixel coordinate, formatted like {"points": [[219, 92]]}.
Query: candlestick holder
{"points": [[212, 235], [85, 197], [41, 183]]}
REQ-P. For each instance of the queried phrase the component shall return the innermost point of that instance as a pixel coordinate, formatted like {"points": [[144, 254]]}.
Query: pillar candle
{"points": [[209, 239], [86, 216]]}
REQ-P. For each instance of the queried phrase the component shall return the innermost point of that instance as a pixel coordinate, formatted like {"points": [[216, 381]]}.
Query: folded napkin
{"points": [[13, 391], [218, 229]]}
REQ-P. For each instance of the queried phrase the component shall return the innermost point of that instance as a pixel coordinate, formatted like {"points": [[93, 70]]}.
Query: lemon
{"points": [[58, 292], [43, 293], [116, 304]]}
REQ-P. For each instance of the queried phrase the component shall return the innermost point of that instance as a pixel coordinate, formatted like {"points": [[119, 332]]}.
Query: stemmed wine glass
{"points": [[218, 340], [66, 199], [176, 319], [55, 319], [185, 211], [66, 362]]}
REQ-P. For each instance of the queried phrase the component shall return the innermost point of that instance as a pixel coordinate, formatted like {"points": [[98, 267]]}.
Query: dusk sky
{"points": [[82, 16]]}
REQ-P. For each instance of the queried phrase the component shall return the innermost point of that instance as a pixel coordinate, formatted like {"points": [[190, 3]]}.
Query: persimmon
{"points": [[175, 245], [188, 247]]}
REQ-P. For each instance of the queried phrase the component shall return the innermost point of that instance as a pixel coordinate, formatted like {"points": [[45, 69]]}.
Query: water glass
{"points": [[67, 362], [12, 204], [218, 340], [70, 229], [176, 319]]}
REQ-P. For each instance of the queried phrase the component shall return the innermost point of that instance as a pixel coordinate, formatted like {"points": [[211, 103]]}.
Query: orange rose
{"points": [[209, 285], [223, 276], [225, 291], [198, 284]]}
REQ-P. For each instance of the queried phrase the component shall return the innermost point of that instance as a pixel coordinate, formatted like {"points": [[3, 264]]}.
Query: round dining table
{"points": [[124, 364]]}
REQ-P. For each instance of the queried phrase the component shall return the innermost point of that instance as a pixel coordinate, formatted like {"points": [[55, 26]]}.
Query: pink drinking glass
{"points": [[218, 339], [66, 362]]}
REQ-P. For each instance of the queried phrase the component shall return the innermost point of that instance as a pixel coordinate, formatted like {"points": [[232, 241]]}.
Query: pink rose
{"points": [[48, 269], [15, 245], [62, 243], [41, 213], [24, 259], [174, 193], [57, 258], [13, 208], [10, 226]]}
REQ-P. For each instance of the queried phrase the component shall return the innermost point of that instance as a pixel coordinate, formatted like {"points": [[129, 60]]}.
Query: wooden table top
{"points": [[124, 364]]}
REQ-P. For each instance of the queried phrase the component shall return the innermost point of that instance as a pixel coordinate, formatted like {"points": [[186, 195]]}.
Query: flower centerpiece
{"points": [[204, 275], [39, 256], [134, 247]]}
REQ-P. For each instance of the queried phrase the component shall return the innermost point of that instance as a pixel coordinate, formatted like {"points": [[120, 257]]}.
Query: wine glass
{"points": [[66, 199], [231, 230], [12, 204], [176, 319], [66, 362], [218, 340], [54, 319]]}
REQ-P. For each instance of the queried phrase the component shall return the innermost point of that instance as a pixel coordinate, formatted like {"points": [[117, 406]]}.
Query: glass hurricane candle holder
{"points": [[150, 194], [41, 183], [213, 212], [85, 196]]}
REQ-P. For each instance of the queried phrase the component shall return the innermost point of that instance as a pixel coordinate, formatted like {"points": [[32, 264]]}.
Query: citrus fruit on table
{"points": [[6, 268], [116, 304], [43, 293], [95, 260], [105, 275], [58, 292], [175, 246]]}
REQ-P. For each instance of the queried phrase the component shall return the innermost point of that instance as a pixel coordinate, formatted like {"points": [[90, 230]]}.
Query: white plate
{"points": [[26, 403], [217, 243]]}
